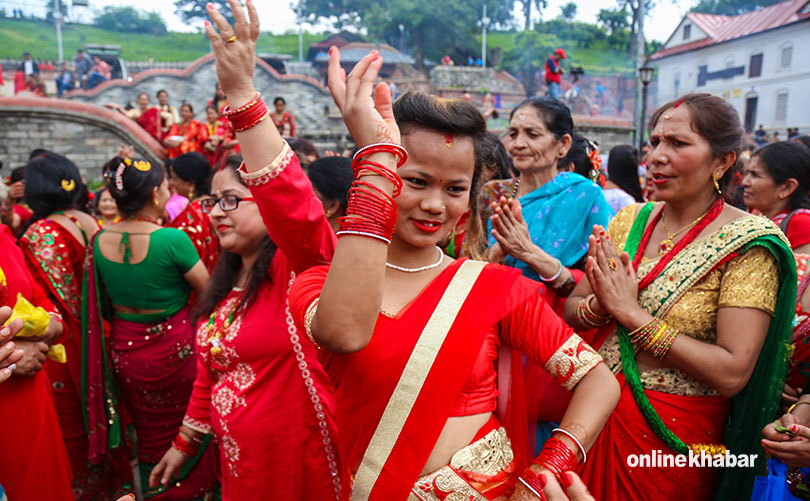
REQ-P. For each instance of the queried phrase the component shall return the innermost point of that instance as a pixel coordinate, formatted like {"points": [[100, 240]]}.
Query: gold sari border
{"points": [[270, 171], [413, 378]]}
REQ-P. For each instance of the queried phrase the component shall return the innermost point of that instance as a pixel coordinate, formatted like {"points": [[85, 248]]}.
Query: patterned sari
{"points": [[56, 260], [198, 226], [194, 134], [744, 264]]}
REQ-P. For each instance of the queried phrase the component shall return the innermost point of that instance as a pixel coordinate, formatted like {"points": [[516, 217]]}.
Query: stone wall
{"points": [[87, 134], [606, 131], [309, 101]]}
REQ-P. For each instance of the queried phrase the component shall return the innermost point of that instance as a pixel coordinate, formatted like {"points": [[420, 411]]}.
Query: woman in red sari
{"points": [[35, 464], [700, 341], [54, 243], [260, 389], [776, 183], [283, 119], [142, 275], [221, 140], [189, 176], [147, 116], [187, 136], [414, 355]]}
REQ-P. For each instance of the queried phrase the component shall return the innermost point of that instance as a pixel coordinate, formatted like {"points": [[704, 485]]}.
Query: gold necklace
{"points": [[668, 243]]}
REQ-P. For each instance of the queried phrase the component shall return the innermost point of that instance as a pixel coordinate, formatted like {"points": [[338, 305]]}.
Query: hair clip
{"points": [[127, 161], [68, 185], [119, 175], [142, 165]]}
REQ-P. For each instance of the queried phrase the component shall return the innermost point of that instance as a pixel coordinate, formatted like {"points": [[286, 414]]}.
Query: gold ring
{"points": [[232, 39], [612, 264]]}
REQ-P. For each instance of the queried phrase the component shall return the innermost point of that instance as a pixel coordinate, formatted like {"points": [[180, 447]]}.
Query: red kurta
{"points": [[265, 397], [34, 464]]}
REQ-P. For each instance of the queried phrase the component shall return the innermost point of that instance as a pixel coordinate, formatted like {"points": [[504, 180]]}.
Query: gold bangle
{"points": [[638, 329], [790, 409], [662, 328]]}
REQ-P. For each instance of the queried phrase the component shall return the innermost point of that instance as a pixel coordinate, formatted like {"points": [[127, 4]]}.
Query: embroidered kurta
{"points": [[199, 228], [265, 397]]}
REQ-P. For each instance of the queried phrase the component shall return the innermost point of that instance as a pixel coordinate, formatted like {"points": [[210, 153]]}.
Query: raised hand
{"points": [[234, 49], [368, 120]]}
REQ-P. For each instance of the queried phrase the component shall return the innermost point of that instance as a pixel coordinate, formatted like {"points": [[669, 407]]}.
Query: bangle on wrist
{"points": [[556, 275], [790, 409]]}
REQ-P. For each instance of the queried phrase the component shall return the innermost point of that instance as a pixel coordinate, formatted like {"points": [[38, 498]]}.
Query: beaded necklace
{"points": [[215, 334]]}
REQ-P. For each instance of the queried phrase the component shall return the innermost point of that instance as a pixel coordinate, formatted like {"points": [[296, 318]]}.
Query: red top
{"points": [[798, 230], [265, 396], [26, 404]]}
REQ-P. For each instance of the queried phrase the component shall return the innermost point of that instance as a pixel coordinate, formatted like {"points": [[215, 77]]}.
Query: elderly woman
{"points": [[555, 211], [694, 299]]}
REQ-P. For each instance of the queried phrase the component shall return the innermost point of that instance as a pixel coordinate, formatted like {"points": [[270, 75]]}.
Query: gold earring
{"points": [[330, 212], [716, 178], [155, 201], [191, 193]]}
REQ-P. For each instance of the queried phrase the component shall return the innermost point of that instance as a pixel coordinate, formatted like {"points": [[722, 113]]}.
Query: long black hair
{"points": [[52, 183], [192, 167], [623, 170], [332, 177], [226, 271], [785, 160]]}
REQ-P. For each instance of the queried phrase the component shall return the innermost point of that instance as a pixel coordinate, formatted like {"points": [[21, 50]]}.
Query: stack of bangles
{"points": [[371, 212], [188, 446], [655, 337], [249, 115], [558, 458], [586, 316]]}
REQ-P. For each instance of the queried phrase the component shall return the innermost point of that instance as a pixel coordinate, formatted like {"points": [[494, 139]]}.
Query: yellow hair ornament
{"points": [[142, 165], [127, 161], [68, 184]]}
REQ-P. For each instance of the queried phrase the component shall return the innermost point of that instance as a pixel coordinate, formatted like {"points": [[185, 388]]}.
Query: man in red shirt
{"points": [[554, 73]]}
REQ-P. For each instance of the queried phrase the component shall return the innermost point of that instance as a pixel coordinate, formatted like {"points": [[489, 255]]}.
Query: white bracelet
{"points": [[572, 437], [363, 234], [538, 494], [556, 275]]}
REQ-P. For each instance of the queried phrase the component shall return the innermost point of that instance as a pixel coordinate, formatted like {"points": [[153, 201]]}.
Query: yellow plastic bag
{"points": [[35, 323]]}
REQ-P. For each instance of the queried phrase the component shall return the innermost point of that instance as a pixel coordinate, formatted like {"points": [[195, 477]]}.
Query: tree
{"points": [[130, 20], [49, 9], [634, 6], [528, 56], [614, 20], [732, 7], [569, 11], [431, 28], [194, 10], [527, 10]]}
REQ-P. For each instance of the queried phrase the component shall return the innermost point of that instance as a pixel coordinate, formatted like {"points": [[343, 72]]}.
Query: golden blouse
{"points": [[750, 280]]}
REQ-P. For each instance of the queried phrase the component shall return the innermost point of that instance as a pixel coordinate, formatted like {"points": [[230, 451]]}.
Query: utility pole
{"points": [[640, 57], [57, 21], [484, 22]]}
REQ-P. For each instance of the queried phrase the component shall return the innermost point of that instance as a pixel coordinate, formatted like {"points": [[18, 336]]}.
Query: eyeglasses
{"points": [[226, 203]]}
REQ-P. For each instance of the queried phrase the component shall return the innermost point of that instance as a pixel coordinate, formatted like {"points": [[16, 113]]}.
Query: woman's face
{"points": [[106, 205], [437, 180], [531, 144], [163, 98], [186, 113], [143, 101], [681, 161], [163, 193], [179, 185], [211, 115], [761, 192], [279, 106], [241, 230]]}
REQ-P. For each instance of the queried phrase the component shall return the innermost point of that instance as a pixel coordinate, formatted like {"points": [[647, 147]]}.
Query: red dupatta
{"points": [[371, 379], [151, 123]]}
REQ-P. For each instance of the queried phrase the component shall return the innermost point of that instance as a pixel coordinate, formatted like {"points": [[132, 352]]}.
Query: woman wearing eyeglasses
{"points": [[142, 276], [260, 390]]}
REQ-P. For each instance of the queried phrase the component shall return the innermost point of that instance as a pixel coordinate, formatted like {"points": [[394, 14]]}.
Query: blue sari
{"points": [[560, 215]]}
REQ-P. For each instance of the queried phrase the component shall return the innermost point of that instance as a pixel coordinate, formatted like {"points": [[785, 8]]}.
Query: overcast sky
{"points": [[277, 15]]}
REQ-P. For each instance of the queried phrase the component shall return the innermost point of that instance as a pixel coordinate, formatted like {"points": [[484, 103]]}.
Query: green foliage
{"points": [[194, 10], [579, 33], [569, 11], [130, 20], [731, 7], [49, 9], [613, 20]]}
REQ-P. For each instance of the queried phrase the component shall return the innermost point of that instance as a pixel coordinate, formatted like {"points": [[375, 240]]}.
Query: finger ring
{"points": [[612, 264], [12, 367], [232, 39]]}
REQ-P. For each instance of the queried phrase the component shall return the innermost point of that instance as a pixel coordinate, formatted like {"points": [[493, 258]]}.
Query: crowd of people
{"points": [[439, 313]]}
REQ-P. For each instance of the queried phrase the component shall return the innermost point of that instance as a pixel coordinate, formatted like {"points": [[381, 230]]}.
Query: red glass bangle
{"points": [[227, 112], [534, 482], [393, 148], [183, 446], [377, 168], [249, 116], [254, 123]]}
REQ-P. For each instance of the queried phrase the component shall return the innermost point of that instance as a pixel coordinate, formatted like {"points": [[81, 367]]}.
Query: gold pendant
{"points": [[664, 247]]}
